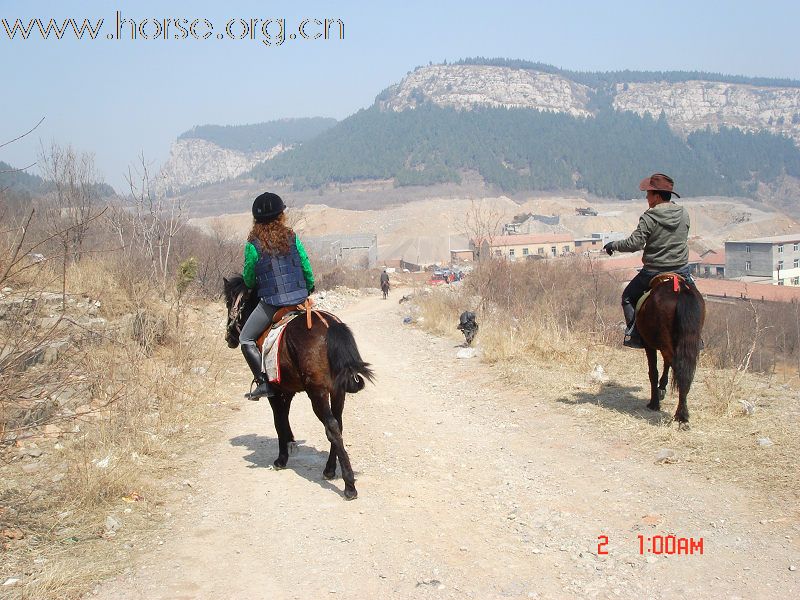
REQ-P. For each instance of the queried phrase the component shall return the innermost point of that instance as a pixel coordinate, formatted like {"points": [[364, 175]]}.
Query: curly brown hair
{"points": [[275, 237]]}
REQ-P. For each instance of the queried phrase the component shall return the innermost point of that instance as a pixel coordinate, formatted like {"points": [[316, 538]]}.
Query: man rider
{"points": [[384, 278], [663, 233]]}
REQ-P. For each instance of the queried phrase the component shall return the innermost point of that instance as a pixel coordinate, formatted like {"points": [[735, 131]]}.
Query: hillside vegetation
{"points": [[524, 149], [598, 79], [260, 136]]}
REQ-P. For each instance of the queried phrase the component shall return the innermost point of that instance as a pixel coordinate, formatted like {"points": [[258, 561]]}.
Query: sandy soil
{"points": [[467, 489]]}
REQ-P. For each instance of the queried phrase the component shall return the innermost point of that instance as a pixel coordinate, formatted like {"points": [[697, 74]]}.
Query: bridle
{"points": [[235, 312]]}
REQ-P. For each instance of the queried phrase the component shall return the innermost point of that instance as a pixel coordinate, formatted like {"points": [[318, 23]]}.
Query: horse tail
{"points": [[689, 316], [347, 368]]}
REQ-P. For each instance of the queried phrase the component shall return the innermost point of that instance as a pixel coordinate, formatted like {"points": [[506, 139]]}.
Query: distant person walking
{"points": [[385, 284], [663, 233]]}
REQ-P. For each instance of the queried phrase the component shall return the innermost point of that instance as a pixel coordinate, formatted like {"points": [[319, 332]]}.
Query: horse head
{"points": [[237, 297]]}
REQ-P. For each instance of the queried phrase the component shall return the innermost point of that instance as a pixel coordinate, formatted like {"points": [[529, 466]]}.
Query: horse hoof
{"points": [[329, 474], [350, 493], [661, 393], [683, 425], [656, 406], [280, 463]]}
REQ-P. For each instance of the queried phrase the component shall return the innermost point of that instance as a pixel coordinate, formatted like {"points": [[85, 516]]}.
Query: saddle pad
{"points": [[269, 350], [644, 297]]}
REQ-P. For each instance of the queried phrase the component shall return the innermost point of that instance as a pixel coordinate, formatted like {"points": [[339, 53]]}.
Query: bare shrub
{"points": [[531, 310], [761, 335], [216, 253], [569, 295]]}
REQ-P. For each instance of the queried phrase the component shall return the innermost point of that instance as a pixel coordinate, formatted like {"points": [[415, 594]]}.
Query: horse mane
{"points": [[234, 284]]}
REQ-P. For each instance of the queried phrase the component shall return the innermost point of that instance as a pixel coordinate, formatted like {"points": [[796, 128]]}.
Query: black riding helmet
{"points": [[267, 207]]}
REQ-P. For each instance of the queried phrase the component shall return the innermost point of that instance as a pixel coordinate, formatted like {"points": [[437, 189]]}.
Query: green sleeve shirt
{"points": [[307, 273], [249, 269], [251, 258]]}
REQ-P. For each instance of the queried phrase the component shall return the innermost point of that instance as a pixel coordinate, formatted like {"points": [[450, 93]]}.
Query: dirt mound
{"points": [[425, 231]]}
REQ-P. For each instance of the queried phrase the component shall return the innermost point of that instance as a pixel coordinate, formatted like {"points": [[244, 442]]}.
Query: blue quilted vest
{"points": [[279, 278]]}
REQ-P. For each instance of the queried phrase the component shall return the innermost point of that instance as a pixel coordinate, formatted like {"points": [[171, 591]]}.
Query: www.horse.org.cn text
{"points": [[270, 32]]}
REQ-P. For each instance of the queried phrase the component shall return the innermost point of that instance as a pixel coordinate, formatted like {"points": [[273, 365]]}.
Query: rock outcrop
{"points": [[688, 105], [693, 105], [193, 162], [467, 86]]}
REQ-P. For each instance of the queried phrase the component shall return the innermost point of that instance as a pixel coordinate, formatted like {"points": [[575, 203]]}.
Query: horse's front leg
{"points": [[280, 413], [333, 431], [652, 372]]}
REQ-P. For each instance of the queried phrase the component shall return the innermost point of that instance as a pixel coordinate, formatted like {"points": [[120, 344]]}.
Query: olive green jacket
{"points": [[663, 233]]}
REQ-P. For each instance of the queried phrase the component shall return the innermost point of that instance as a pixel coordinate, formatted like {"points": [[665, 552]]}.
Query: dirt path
{"points": [[466, 490]]}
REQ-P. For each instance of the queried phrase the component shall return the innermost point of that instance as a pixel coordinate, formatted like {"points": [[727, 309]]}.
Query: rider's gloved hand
{"points": [[609, 250]]}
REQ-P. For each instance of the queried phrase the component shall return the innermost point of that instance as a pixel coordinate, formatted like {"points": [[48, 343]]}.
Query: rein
{"points": [[235, 312]]}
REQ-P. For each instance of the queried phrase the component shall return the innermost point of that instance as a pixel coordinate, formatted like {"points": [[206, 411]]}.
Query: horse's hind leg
{"points": [[662, 383], [682, 414], [652, 371], [333, 431], [337, 407], [280, 413]]}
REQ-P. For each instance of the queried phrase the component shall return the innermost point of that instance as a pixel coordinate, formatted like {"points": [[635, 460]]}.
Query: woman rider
{"points": [[275, 266]]}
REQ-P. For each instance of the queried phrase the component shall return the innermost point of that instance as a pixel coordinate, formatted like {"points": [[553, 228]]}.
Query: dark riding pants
{"points": [[256, 323]]}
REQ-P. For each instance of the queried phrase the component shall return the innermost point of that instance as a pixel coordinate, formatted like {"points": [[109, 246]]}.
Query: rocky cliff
{"points": [[697, 104], [465, 86], [193, 162], [688, 105]]}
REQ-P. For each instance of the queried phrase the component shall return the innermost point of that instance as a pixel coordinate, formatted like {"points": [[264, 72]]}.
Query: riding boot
{"points": [[253, 358], [632, 339]]}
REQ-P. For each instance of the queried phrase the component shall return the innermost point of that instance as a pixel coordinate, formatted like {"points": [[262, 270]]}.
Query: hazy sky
{"points": [[117, 98]]}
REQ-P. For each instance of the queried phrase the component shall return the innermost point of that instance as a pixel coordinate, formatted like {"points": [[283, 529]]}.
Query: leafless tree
{"points": [[154, 222], [74, 195], [482, 222]]}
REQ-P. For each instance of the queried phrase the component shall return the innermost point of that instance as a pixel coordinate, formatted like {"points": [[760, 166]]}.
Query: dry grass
{"points": [[134, 412], [552, 358]]}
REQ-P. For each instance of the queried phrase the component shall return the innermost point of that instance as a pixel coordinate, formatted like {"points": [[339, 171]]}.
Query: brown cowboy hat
{"points": [[658, 182]]}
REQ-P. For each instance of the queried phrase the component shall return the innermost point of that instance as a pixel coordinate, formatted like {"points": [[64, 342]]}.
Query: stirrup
{"points": [[632, 341], [269, 392]]}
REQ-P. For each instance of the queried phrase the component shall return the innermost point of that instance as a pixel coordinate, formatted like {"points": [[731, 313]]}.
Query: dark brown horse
{"points": [[385, 289], [322, 361], [670, 321]]}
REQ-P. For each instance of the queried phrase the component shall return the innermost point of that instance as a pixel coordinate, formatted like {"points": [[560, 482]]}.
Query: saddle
{"points": [[285, 311], [659, 279]]}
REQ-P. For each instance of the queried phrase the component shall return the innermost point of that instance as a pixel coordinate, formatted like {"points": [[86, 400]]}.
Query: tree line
{"points": [[524, 149], [598, 79], [261, 136]]}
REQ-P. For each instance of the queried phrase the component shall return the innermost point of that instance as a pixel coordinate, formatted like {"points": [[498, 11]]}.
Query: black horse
{"points": [[385, 289], [671, 321], [322, 361]]}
